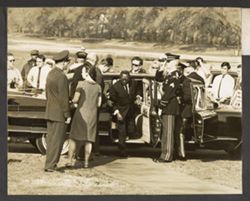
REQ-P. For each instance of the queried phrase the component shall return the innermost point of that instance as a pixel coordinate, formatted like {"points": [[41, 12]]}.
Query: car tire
{"points": [[233, 149], [32, 141], [41, 145]]}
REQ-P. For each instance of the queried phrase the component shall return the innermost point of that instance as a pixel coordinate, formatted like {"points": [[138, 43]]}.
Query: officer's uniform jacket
{"points": [[57, 94], [169, 102]]}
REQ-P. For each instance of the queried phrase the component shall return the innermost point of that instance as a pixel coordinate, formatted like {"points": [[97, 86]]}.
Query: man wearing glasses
{"points": [[14, 78], [136, 65]]}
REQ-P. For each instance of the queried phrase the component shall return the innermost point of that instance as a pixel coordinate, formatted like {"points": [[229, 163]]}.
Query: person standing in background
{"points": [[137, 65], [57, 111], [203, 69], [75, 71], [223, 86], [30, 64], [37, 75], [239, 78], [106, 65], [14, 78]]}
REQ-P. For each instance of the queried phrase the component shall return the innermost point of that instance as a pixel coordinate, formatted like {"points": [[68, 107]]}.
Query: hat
{"points": [[171, 57], [162, 58], [182, 66], [50, 61], [81, 54], [61, 56], [34, 52]]}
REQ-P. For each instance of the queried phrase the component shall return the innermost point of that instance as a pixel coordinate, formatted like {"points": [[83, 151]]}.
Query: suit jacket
{"points": [[195, 76], [99, 78], [186, 98], [57, 94], [26, 68], [122, 100], [76, 78]]}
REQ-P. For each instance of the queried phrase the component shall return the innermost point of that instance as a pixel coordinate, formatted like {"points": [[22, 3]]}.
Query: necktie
{"points": [[126, 88], [38, 78], [220, 86]]}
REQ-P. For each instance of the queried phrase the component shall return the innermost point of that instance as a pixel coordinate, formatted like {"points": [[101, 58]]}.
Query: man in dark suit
{"points": [[123, 94], [57, 110], [76, 70], [30, 64]]}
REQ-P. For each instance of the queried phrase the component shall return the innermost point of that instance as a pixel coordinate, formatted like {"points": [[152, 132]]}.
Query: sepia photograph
{"points": [[124, 100]]}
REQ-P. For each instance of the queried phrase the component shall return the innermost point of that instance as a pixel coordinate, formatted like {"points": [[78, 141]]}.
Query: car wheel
{"points": [[41, 145], [32, 141], [233, 149]]}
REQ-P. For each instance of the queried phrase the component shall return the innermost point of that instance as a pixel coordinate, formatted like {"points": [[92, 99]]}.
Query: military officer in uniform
{"points": [[57, 111], [183, 121], [169, 106]]}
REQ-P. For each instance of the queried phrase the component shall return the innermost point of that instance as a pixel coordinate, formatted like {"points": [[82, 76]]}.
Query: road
{"points": [[206, 172]]}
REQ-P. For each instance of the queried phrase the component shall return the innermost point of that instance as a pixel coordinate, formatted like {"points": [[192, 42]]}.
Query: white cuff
{"points": [[116, 112]]}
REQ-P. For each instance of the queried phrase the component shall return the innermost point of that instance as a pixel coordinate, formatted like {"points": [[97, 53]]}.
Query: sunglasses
{"points": [[136, 65], [12, 60], [161, 60]]}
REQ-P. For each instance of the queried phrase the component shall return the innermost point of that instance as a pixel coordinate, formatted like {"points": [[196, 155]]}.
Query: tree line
{"points": [[199, 26]]}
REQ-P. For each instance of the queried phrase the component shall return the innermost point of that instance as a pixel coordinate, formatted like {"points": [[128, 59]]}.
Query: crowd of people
{"points": [[80, 86]]}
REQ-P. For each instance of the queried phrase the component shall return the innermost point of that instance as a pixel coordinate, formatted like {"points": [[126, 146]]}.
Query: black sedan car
{"points": [[211, 128]]}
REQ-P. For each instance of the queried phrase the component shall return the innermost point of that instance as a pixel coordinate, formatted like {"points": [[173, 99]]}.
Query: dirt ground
{"points": [[26, 175]]}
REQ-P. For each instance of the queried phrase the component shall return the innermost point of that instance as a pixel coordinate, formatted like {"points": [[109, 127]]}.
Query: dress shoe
{"points": [[181, 158], [160, 160], [50, 170], [70, 165], [123, 155], [55, 169]]}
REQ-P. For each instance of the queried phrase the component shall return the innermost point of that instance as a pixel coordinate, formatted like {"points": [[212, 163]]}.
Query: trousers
{"points": [[55, 138], [167, 139]]}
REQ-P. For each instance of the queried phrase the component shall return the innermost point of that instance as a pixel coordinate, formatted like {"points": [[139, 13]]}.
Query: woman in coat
{"points": [[87, 99]]}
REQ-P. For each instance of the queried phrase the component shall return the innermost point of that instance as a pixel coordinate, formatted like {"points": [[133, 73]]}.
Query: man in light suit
{"points": [[123, 94], [57, 110], [223, 86]]}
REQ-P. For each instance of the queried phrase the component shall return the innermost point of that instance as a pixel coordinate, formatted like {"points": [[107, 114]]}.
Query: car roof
{"points": [[230, 72], [132, 75]]}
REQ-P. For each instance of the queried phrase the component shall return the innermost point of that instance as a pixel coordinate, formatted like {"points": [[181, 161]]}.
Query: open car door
{"points": [[150, 121], [201, 113]]}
